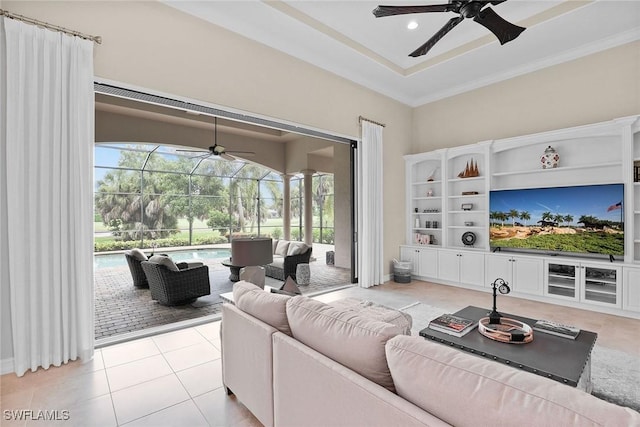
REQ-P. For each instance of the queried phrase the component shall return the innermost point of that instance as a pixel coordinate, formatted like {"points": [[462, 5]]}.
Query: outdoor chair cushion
{"points": [[138, 254], [164, 260], [296, 248], [282, 247]]}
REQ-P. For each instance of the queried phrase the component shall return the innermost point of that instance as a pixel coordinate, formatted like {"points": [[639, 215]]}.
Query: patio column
{"points": [[286, 205], [308, 205]]}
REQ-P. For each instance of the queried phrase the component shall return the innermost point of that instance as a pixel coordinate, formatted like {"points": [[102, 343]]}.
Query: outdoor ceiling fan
{"points": [[218, 150], [505, 31]]}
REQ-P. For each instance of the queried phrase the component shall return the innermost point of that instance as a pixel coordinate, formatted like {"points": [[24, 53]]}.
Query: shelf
{"points": [[473, 178], [470, 227], [561, 286], [426, 229], [473, 211], [427, 182], [563, 292], [466, 196], [561, 168], [427, 198]]}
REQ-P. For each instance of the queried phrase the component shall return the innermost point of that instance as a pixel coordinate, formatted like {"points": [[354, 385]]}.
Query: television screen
{"points": [[585, 219]]}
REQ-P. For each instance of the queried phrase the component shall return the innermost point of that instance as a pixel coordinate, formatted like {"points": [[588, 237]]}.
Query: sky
{"points": [[576, 201]]}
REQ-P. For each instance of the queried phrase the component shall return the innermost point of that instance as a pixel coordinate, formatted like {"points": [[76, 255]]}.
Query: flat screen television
{"points": [[578, 220]]}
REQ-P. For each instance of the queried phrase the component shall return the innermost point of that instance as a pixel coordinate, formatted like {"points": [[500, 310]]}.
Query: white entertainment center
{"points": [[447, 201]]}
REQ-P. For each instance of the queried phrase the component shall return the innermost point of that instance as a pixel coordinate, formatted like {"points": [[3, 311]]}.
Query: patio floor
{"points": [[120, 308]]}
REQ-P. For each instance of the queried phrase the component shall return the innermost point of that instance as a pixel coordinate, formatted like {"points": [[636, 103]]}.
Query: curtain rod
{"points": [[95, 39], [360, 119]]}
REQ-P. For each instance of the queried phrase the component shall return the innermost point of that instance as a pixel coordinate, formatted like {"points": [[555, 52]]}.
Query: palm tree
{"points": [[525, 216], [568, 218], [513, 214], [558, 218]]}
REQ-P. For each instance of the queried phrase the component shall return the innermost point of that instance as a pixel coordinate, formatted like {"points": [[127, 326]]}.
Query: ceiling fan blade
{"points": [[227, 156], [505, 31], [495, 2], [192, 151], [244, 153], [436, 37], [382, 11]]}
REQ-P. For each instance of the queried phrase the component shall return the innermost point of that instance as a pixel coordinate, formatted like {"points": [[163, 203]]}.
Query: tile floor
{"points": [[174, 379]]}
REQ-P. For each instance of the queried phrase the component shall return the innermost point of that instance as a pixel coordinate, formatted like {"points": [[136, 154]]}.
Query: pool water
{"points": [[118, 260]]}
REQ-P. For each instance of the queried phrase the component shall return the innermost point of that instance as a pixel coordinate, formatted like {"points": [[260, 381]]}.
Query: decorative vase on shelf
{"points": [[550, 158], [417, 223]]}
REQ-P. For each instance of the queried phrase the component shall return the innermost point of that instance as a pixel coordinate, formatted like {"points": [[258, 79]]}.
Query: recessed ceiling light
{"points": [[412, 25]]}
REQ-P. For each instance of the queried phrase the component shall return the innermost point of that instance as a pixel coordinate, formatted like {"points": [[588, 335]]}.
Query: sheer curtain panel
{"points": [[47, 109], [370, 226]]}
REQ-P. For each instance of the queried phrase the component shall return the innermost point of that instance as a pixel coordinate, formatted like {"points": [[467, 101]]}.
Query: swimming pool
{"points": [[118, 260]]}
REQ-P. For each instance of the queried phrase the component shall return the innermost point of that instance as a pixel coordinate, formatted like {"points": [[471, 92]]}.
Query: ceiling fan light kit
{"points": [[504, 30]]}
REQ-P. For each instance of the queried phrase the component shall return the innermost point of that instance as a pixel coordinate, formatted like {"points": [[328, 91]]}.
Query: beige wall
{"points": [[150, 45], [592, 89]]}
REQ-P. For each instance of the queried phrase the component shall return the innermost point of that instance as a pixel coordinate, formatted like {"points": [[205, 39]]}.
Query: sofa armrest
{"points": [[292, 261], [247, 363], [312, 390]]}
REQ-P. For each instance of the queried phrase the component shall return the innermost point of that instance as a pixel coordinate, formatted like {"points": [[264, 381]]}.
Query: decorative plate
{"points": [[468, 238]]}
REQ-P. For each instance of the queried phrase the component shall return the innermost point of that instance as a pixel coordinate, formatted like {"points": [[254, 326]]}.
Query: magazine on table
{"points": [[452, 325], [555, 328]]}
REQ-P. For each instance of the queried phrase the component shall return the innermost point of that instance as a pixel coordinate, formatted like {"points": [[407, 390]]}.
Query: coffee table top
{"points": [[558, 358]]}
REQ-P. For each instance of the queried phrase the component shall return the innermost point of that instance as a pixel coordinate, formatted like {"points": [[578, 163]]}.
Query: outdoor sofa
{"points": [[296, 361], [286, 257]]}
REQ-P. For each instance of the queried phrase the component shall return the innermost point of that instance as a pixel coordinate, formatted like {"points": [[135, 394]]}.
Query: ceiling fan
{"points": [[218, 150], [505, 31]]}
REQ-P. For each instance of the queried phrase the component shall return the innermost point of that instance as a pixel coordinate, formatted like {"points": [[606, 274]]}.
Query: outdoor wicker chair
{"points": [[134, 258], [170, 287]]}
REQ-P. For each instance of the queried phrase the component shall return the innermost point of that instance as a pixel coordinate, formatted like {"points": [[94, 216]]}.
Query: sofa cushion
{"points": [[282, 247], [297, 248], [464, 389], [267, 307], [278, 261], [344, 336], [374, 311], [274, 245], [164, 260], [138, 254]]}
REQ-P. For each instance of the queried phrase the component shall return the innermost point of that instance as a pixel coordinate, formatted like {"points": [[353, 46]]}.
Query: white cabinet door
{"points": [[631, 289], [449, 266], [408, 253], [427, 260], [562, 279], [498, 266], [527, 275], [472, 268]]}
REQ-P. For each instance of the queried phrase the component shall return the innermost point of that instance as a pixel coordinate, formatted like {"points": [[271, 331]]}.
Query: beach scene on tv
{"points": [[581, 219]]}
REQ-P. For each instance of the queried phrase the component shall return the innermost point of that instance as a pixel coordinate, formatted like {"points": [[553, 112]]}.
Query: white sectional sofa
{"points": [[294, 361]]}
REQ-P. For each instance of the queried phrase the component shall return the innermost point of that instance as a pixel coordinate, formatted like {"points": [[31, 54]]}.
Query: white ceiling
{"points": [[344, 37]]}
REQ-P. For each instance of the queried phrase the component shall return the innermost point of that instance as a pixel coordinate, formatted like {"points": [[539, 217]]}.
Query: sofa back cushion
{"points": [[274, 245], [164, 260], [282, 247], [344, 336], [265, 306], [464, 389], [375, 311], [297, 248]]}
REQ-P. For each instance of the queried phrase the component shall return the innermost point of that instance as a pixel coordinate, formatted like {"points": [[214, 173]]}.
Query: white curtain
{"points": [[47, 118], [370, 224]]}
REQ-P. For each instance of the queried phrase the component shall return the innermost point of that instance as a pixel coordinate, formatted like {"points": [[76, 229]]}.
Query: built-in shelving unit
{"points": [[458, 203]]}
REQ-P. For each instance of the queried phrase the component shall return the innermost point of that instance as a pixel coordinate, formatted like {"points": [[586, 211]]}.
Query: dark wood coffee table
{"points": [[565, 360], [234, 276]]}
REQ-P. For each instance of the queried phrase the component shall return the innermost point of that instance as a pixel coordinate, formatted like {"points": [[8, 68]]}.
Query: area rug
{"points": [[615, 375]]}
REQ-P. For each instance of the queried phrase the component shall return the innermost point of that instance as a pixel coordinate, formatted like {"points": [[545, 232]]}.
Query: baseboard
{"points": [[7, 366]]}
